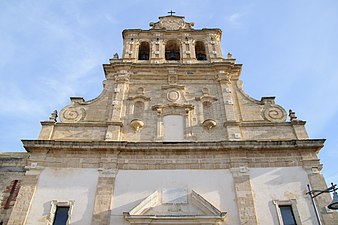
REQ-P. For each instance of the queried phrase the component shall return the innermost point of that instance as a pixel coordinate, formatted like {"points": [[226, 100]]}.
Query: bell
{"points": [[143, 56], [172, 56], [201, 56], [334, 204]]}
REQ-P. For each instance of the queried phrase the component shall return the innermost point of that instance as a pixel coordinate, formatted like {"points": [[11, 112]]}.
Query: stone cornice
{"points": [[310, 144], [155, 31], [260, 123], [89, 124], [212, 65]]}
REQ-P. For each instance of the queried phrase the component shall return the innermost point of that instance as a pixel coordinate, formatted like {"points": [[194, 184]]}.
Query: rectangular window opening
{"points": [[287, 215], [61, 215]]}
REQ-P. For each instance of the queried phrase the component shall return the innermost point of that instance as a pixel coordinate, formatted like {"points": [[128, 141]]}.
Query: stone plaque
{"points": [[174, 196]]}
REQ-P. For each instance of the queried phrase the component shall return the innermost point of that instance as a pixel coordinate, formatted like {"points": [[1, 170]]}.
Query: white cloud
{"points": [[111, 19], [235, 18]]}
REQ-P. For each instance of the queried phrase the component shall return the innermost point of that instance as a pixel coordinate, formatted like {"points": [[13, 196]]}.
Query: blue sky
{"points": [[51, 50]]}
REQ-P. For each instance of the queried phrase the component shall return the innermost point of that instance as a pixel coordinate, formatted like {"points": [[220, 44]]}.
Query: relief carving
{"points": [[72, 114], [172, 23], [274, 114], [173, 96]]}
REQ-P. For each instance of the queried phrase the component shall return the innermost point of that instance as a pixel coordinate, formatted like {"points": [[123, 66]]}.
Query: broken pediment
{"points": [[174, 206]]}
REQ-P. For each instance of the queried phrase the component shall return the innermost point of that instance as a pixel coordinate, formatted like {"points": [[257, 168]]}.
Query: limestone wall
{"points": [[11, 174]]}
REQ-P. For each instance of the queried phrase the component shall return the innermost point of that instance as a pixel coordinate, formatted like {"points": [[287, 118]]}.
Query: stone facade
{"points": [[12, 170], [172, 139]]}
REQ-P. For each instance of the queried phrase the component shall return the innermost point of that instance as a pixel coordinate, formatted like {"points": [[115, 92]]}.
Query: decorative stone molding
{"points": [[173, 95], [172, 23], [136, 124], [209, 124], [293, 204], [271, 111], [54, 205], [136, 97], [173, 86], [72, 114], [172, 79], [274, 114], [107, 172], [206, 97], [173, 108], [171, 204], [223, 77], [34, 166], [313, 145]]}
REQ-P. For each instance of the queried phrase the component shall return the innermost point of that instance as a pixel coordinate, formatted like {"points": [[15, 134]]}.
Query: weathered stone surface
{"points": [[11, 174], [172, 115]]}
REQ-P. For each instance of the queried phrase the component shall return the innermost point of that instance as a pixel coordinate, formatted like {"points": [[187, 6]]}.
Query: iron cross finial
{"points": [[171, 12]]}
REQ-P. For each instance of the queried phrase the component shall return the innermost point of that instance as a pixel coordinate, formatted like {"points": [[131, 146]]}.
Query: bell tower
{"points": [[172, 40]]}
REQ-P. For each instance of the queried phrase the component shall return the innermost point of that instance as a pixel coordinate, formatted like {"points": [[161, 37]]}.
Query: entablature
{"points": [[309, 144]]}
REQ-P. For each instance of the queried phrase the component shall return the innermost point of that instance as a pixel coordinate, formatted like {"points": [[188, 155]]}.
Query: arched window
{"points": [[207, 110], [143, 52], [200, 51], [172, 50]]}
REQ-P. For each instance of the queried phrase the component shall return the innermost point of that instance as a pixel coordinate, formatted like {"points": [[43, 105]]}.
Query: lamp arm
{"points": [[315, 193]]}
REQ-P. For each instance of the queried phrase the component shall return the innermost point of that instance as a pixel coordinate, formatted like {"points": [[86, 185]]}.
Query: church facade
{"points": [[172, 139]]}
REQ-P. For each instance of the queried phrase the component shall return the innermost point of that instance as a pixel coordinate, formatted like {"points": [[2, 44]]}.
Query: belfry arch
{"points": [[172, 50], [200, 51], [143, 52]]}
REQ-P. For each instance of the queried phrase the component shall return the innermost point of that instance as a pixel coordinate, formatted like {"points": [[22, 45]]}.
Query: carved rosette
{"points": [[72, 114], [173, 96], [274, 113]]}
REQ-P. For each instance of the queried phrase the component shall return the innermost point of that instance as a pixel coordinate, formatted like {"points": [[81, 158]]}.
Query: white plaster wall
{"points": [[133, 186], [64, 184], [270, 184]]}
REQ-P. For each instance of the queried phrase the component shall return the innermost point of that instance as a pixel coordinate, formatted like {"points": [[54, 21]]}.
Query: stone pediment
{"points": [[174, 206], [172, 23]]}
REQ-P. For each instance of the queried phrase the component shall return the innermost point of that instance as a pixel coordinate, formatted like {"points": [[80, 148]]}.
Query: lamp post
{"points": [[314, 193]]}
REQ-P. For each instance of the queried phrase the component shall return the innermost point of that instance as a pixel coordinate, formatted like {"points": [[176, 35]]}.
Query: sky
{"points": [[51, 50]]}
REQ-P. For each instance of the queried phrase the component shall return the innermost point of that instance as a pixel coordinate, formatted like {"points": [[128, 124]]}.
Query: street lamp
{"points": [[314, 193]]}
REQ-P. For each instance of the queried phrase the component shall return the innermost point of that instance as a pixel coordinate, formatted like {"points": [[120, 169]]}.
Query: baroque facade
{"points": [[172, 139]]}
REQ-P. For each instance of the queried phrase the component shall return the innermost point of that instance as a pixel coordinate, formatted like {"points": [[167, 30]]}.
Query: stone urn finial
{"points": [[53, 116], [292, 115]]}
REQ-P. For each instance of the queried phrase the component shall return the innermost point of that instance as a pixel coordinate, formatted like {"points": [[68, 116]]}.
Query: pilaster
{"points": [[244, 195], [232, 128], [317, 182], [25, 197], [104, 196]]}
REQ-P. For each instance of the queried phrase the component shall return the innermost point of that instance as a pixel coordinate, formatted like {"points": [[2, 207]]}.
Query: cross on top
{"points": [[171, 12]]}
